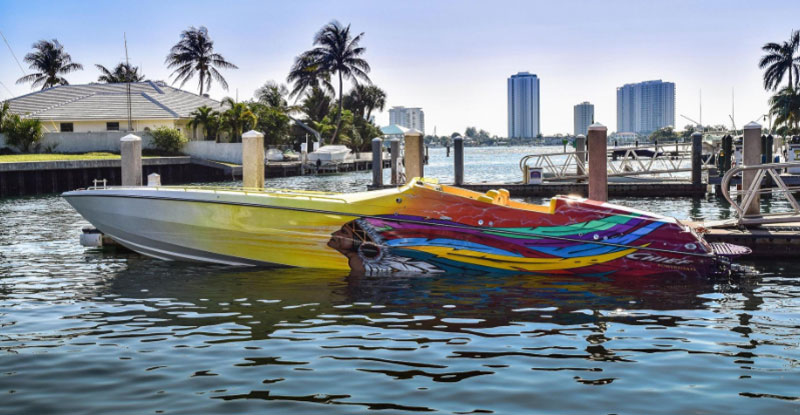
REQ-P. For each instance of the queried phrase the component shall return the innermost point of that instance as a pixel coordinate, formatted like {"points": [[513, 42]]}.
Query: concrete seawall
{"points": [[25, 179]]}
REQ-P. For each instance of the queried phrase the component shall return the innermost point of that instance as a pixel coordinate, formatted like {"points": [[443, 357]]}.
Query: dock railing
{"points": [[741, 199]]}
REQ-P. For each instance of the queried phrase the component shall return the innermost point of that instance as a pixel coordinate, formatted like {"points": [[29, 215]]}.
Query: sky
{"points": [[452, 58]]}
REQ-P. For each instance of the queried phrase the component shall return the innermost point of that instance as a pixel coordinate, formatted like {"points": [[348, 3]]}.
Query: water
{"points": [[87, 331]]}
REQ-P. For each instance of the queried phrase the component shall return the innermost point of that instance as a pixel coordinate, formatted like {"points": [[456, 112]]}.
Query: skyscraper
{"points": [[408, 117], [583, 117], [523, 106], [645, 107]]}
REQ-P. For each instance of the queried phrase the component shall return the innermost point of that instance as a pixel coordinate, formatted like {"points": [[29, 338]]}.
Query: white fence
{"points": [[210, 150]]}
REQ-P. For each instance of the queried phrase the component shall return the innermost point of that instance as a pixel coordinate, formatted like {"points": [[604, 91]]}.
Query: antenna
{"points": [[733, 110], [128, 82], [701, 107]]}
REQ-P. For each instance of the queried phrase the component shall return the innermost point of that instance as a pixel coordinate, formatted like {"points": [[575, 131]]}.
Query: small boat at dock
{"points": [[330, 154], [421, 227]]}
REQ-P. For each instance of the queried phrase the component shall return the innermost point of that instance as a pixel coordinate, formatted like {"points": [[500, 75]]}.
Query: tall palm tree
{"points": [[785, 105], [307, 75], [122, 73], [780, 60], [208, 118], [194, 54], [49, 61], [237, 118], [336, 52]]}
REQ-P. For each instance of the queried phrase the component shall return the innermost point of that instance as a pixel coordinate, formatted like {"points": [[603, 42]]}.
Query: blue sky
{"points": [[450, 57]]}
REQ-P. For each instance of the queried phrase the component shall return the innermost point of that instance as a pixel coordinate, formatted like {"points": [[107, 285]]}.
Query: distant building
{"points": [[645, 107], [583, 117], [104, 107], [408, 118], [523, 106]]}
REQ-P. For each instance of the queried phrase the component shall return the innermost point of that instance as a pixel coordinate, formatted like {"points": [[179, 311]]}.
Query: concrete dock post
{"points": [[253, 160], [751, 156], [580, 153], [394, 146], [377, 162], [131, 151], [598, 159], [458, 159], [414, 155], [697, 155]]}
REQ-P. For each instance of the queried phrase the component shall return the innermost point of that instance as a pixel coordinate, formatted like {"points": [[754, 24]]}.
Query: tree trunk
{"points": [[201, 83], [339, 115]]}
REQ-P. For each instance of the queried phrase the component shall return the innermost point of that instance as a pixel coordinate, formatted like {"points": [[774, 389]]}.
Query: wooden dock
{"points": [[767, 241]]}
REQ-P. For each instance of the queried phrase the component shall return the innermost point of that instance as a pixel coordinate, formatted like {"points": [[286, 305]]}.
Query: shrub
{"points": [[22, 133], [168, 139]]}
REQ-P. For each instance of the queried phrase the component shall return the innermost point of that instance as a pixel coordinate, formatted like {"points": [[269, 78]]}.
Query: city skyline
{"points": [[583, 117], [456, 75], [644, 107]]}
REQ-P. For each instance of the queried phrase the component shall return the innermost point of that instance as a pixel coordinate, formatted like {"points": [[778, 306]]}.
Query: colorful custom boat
{"points": [[422, 227]]}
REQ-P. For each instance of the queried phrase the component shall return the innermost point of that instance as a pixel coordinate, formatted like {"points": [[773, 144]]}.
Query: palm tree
{"points": [[274, 95], [208, 118], [194, 53], [363, 99], [780, 60], [316, 105], [49, 61], [336, 52], [237, 118], [307, 75], [122, 73], [785, 105]]}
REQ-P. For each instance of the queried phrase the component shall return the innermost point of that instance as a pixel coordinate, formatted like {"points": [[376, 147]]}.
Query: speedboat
{"points": [[421, 227], [330, 154]]}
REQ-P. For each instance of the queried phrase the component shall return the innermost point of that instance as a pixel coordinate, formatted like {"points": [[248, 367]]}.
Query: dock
{"points": [[767, 241]]}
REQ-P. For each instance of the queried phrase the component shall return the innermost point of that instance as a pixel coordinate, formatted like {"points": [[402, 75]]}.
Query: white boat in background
{"points": [[290, 155], [274, 154], [330, 154]]}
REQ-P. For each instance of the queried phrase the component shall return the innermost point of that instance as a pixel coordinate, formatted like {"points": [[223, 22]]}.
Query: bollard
{"points": [[448, 150], [751, 156], [377, 162], [458, 153], [395, 149], [253, 159], [153, 180], [697, 158], [636, 142], [426, 154], [414, 155], [580, 152], [131, 152], [598, 159]]}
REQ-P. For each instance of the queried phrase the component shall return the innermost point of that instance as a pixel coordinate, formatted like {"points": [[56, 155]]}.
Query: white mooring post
{"points": [[415, 155], [751, 156], [130, 148], [395, 148], [253, 159]]}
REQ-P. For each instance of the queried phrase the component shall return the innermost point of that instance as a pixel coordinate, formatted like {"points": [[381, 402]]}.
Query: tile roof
{"points": [[149, 100]]}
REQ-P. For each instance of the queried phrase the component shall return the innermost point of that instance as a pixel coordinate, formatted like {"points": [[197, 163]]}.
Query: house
{"points": [[94, 108]]}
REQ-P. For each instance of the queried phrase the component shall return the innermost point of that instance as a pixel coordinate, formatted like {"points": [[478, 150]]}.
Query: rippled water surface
{"points": [[89, 331]]}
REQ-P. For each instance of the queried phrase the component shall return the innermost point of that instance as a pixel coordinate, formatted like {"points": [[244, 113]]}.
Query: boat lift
{"points": [[659, 159], [741, 199]]}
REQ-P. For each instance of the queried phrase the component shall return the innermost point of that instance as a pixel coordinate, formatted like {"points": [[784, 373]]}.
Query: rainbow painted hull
{"points": [[421, 227]]}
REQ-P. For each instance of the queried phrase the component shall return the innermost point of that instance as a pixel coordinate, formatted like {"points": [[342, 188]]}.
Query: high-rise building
{"points": [[408, 117], [523, 106], [645, 107], [583, 117]]}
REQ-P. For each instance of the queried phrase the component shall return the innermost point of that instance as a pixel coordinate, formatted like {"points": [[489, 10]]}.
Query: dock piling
{"points": [[580, 152], [131, 153], [377, 162], [697, 159], [414, 155], [253, 159], [751, 156], [598, 159], [458, 159], [394, 147]]}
